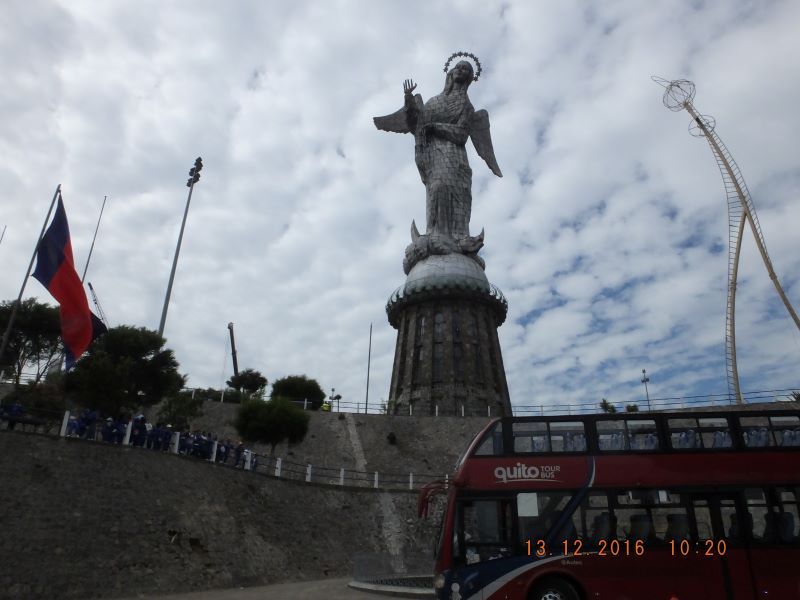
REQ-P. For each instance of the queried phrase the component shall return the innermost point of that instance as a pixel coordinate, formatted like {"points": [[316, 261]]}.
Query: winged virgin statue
{"points": [[441, 127]]}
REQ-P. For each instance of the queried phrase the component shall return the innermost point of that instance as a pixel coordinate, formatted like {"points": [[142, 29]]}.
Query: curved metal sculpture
{"points": [[678, 96]]}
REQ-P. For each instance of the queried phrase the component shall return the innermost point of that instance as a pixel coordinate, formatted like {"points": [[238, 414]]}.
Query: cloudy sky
{"points": [[608, 233]]}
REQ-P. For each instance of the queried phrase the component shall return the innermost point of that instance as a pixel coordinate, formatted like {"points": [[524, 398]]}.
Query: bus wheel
{"points": [[554, 589]]}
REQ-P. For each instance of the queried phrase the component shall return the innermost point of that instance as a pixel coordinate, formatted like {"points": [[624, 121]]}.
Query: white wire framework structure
{"points": [[678, 96]]}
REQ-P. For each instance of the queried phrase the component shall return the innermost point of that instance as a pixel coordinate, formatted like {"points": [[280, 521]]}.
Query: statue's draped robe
{"points": [[441, 158]]}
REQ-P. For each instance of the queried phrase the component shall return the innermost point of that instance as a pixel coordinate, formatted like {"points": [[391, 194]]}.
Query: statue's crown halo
{"points": [[465, 55]]}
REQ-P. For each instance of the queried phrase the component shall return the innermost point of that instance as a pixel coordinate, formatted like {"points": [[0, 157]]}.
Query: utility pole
{"points": [[233, 351], [645, 380]]}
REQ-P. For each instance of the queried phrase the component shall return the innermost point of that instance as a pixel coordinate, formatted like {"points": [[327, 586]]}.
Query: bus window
{"points": [[715, 432], [728, 513], [786, 430], [757, 510], [567, 437], [683, 434], [538, 512], [702, 518], [492, 444], [530, 436], [611, 436], [487, 530], [670, 518], [755, 432]]}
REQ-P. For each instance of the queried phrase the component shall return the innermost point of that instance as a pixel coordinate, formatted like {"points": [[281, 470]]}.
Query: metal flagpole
{"points": [[91, 248], [369, 355], [10, 325]]}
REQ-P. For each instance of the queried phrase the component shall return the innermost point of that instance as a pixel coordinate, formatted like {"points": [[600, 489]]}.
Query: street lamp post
{"points": [[194, 177], [337, 397], [645, 380]]}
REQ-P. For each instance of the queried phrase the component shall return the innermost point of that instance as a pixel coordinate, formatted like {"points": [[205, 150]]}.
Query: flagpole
{"points": [[369, 355], [10, 325], [96, 229]]}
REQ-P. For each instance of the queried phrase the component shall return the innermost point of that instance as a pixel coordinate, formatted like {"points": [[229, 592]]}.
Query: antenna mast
{"points": [[678, 96], [100, 312]]}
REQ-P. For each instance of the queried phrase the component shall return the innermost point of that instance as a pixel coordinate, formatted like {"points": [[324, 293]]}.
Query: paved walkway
{"points": [[329, 589]]}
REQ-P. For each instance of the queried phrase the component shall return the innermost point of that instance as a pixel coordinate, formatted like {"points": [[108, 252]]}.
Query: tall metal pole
{"points": [[369, 355], [91, 248], [13, 317], [233, 351], [194, 176], [645, 380]]}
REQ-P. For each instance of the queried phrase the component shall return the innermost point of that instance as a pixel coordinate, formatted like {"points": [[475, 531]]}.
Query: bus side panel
{"points": [[611, 577]]}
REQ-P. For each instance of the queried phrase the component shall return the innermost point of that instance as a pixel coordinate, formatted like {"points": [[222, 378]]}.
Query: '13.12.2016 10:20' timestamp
{"points": [[710, 548]]}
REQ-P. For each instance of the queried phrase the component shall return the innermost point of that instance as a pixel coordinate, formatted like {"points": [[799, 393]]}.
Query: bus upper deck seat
{"points": [[574, 442], [756, 438], [540, 445], [688, 439], [789, 437], [722, 439]]}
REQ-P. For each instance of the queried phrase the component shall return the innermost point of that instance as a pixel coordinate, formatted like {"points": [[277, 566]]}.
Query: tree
{"points": [[271, 422], [42, 400], [123, 370], [632, 408], [298, 388], [181, 408], [795, 396], [607, 407], [250, 381], [34, 343]]}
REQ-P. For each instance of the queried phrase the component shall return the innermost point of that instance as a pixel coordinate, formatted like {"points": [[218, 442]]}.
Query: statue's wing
{"points": [[397, 121], [394, 122], [482, 140]]}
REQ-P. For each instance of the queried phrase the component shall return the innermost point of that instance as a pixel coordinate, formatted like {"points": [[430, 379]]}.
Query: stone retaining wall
{"points": [[89, 520]]}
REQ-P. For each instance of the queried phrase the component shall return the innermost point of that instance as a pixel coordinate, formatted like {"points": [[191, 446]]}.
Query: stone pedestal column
{"points": [[447, 358]]}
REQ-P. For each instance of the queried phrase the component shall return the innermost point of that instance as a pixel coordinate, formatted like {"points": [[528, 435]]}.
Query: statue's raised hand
{"points": [[409, 86]]}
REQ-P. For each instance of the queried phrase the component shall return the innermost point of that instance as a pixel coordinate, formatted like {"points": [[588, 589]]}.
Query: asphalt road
{"points": [[327, 589]]}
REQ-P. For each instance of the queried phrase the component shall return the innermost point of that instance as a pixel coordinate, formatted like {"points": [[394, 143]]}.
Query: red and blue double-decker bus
{"points": [[667, 506]]}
